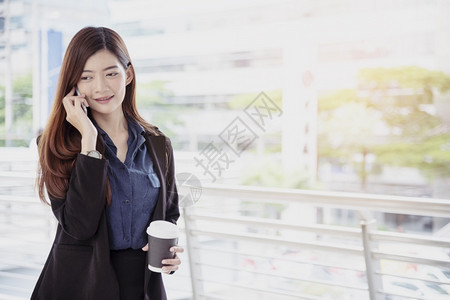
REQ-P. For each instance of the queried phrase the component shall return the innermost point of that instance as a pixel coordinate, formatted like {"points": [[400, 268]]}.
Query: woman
{"points": [[108, 174]]}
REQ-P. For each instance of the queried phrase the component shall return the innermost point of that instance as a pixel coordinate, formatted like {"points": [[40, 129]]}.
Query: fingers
{"points": [[172, 264], [71, 102], [171, 261], [173, 249], [77, 115], [78, 94], [176, 249]]}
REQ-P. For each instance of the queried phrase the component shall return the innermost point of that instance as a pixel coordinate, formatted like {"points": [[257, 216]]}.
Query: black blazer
{"points": [[78, 266]]}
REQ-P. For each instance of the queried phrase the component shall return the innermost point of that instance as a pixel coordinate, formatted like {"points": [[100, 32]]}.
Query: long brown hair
{"points": [[60, 142]]}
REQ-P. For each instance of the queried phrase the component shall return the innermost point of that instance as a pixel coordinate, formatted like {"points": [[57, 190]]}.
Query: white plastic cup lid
{"points": [[163, 229]]}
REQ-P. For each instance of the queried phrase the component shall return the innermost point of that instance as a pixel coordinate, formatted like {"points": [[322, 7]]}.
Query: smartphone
{"points": [[77, 92]]}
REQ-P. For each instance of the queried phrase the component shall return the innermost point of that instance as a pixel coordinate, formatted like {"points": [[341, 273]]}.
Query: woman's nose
{"points": [[100, 85]]}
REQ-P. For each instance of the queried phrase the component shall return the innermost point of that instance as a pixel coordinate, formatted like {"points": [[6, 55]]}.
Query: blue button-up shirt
{"points": [[134, 190]]}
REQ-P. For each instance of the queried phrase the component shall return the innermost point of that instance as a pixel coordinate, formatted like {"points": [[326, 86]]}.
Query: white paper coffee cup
{"points": [[162, 235]]}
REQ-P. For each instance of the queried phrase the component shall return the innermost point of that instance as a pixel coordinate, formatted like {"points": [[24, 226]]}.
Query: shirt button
{"points": [[127, 202]]}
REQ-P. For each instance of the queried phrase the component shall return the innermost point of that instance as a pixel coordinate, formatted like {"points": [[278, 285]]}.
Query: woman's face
{"points": [[104, 82]]}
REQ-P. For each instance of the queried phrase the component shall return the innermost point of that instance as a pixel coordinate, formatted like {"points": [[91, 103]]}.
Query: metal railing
{"points": [[27, 230], [263, 243], [255, 243]]}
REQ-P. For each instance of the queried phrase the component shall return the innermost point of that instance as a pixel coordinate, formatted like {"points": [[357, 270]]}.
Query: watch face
{"points": [[95, 154]]}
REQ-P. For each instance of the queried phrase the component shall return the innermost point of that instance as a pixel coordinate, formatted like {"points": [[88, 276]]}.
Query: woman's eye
{"points": [[86, 78], [112, 74]]}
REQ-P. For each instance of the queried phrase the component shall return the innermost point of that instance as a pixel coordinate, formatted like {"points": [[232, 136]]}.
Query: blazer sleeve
{"points": [[80, 212], [172, 209]]}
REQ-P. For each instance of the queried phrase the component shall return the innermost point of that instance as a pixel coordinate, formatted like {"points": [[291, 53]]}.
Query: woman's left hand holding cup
{"points": [[172, 264]]}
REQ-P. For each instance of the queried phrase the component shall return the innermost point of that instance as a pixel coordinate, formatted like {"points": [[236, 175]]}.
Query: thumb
{"points": [[145, 248]]}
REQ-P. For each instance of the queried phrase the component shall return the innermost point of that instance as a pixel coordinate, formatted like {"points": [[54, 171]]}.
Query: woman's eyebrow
{"points": [[105, 69]]}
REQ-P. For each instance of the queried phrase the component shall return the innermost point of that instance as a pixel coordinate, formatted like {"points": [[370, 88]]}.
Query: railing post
{"points": [[372, 265], [195, 270]]}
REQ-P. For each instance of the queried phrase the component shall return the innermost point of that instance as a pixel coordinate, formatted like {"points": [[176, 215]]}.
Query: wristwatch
{"points": [[93, 153]]}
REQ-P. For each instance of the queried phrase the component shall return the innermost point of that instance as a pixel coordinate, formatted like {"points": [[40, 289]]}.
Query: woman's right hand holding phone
{"points": [[76, 115]]}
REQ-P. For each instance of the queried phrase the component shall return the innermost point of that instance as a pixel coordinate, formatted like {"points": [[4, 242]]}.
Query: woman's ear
{"points": [[129, 73]]}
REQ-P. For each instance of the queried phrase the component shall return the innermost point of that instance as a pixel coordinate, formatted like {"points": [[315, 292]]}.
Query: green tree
{"points": [[22, 110], [152, 93], [2, 108], [23, 95], [241, 101], [391, 116], [266, 171], [153, 101], [348, 132]]}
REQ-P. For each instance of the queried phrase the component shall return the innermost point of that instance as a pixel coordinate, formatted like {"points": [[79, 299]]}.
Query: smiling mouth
{"points": [[104, 99]]}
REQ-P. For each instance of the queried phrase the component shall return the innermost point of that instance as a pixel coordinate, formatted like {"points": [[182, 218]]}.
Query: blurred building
{"points": [[33, 37], [207, 52]]}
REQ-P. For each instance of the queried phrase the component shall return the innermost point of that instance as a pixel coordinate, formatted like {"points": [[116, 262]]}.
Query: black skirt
{"points": [[130, 267]]}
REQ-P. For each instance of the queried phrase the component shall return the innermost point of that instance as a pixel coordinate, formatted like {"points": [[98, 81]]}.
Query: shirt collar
{"points": [[135, 131], [134, 128]]}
